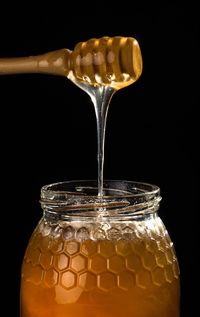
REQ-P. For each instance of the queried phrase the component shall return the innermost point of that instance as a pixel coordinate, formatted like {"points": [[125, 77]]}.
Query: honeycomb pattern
{"points": [[50, 277], [78, 263], [158, 276], [144, 279], [125, 257], [61, 262], [133, 263], [123, 248], [88, 248], [106, 248], [126, 280], [72, 247], [107, 281], [97, 264], [45, 260], [148, 260], [87, 281], [57, 246], [68, 279], [116, 264]]}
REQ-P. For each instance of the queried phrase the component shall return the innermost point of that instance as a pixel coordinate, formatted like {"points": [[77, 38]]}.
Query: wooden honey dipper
{"points": [[111, 61]]}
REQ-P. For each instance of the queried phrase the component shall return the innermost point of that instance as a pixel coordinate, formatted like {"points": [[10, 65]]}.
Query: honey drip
{"points": [[98, 66]]}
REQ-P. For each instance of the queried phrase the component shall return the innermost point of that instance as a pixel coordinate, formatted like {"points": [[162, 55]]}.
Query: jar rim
{"points": [[122, 188], [80, 197]]}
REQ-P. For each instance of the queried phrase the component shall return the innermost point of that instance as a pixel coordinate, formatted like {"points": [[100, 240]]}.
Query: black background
{"points": [[48, 130]]}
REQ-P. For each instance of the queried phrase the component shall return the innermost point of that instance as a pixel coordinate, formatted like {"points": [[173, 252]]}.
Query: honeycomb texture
{"points": [[123, 256]]}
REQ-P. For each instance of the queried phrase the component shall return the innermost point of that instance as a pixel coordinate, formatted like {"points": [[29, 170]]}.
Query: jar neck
{"points": [[79, 200]]}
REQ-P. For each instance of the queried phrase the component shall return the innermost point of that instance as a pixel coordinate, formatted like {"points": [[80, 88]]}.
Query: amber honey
{"points": [[122, 264], [135, 274]]}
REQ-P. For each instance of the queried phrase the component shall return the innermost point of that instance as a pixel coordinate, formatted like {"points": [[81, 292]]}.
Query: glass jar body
{"points": [[110, 265]]}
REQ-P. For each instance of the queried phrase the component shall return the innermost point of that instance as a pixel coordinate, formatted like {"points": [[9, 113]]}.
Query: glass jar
{"points": [[94, 256]]}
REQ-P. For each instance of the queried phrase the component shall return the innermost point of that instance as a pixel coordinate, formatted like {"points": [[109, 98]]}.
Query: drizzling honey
{"points": [[98, 66], [101, 67]]}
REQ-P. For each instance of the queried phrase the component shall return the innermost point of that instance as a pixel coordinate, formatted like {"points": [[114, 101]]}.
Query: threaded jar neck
{"points": [[79, 200]]}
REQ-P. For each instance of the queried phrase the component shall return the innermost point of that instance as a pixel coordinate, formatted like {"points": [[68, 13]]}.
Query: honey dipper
{"points": [[111, 61]]}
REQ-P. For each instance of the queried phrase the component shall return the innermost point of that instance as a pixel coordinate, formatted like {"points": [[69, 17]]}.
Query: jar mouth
{"points": [[82, 195], [89, 188]]}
